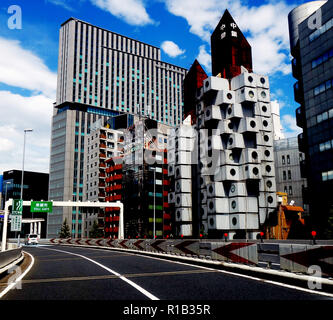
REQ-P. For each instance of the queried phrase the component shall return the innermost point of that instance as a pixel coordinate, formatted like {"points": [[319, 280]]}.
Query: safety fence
{"points": [[8, 257], [296, 258]]}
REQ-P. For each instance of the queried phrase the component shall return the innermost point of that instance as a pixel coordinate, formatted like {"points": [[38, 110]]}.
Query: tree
{"points": [[95, 232], [64, 232]]}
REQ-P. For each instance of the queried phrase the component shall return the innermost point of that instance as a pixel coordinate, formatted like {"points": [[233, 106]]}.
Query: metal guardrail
{"points": [[279, 255], [8, 257]]}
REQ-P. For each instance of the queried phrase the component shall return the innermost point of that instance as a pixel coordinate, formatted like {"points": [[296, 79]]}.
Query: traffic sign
{"points": [[16, 216], [41, 206]]}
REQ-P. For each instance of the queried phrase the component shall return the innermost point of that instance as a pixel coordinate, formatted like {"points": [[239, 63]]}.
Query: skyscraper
{"points": [[102, 74], [311, 42]]}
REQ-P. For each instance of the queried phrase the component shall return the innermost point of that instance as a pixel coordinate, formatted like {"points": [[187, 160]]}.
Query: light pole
{"points": [[22, 176], [154, 223], [7, 183]]}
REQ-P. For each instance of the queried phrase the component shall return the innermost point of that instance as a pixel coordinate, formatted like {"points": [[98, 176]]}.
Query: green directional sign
{"points": [[16, 216], [41, 206]]}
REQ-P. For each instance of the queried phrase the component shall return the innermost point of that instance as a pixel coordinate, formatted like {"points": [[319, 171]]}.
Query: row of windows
{"points": [[316, 34], [288, 190], [326, 146], [325, 115], [323, 87], [328, 175], [285, 175], [284, 159], [323, 58]]}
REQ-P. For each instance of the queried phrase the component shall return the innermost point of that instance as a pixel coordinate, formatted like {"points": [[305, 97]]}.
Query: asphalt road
{"points": [[76, 273]]}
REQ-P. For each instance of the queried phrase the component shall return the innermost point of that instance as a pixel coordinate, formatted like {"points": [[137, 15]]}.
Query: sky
{"points": [[29, 36]]}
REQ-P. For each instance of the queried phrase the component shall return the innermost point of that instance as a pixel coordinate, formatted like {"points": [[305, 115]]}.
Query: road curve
{"points": [[77, 273]]}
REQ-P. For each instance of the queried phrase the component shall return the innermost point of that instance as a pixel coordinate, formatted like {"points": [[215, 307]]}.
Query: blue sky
{"points": [[181, 28]]}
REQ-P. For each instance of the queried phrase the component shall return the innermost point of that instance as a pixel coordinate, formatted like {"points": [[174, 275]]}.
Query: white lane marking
{"points": [[234, 274], [133, 284], [17, 280]]}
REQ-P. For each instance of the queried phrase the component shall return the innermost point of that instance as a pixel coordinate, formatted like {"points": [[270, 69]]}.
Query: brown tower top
{"points": [[230, 49]]}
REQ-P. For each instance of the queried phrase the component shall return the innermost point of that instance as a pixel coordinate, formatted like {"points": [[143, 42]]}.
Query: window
{"points": [[289, 174], [283, 160], [288, 159], [284, 175], [290, 190]]}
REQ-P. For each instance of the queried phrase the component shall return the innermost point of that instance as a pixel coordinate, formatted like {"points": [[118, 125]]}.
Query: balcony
{"points": [[102, 155], [102, 146], [298, 92], [102, 165], [301, 142], [300, 117], [102, 136], [296, 69], [303, 169]]}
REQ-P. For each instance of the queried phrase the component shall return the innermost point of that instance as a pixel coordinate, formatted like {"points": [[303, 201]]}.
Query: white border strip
{"points": [[143, 291], [13, 284]]}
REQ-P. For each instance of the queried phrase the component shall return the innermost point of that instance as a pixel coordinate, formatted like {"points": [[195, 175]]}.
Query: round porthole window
{"points": [[251, 94], [234, 221], [263, 94], [211, 221], [207, 84], [253, 124], [230, 141], [262, 80], [250, 79], [268, 168], [229, 96], [232, 188], [269, 184], [232, 172], [267, 153], [233, 204], [264, 108], [178, 200], [270, 199], [265, 123], [208, 113], [229, 110], [255, 171], [211, 189], [266, 138], [211, 205], [254, 155]]}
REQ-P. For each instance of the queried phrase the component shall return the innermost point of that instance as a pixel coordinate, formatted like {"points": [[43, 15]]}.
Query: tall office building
{"points": [[102, 74], [311, 41]]}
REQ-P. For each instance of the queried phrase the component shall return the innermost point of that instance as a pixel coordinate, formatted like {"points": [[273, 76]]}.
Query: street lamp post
{"points": [[22, 176], [154, 222], [7, 183]]}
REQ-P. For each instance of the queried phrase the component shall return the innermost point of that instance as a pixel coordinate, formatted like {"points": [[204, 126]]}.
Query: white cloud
{"points": [[290, 129], [171, 49], [204, 58], [131, 11], [61, 3], [21, 68], [18, 113], [266, 27]]}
